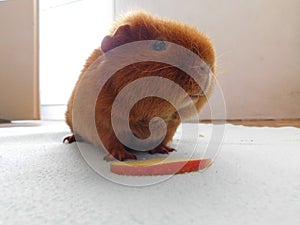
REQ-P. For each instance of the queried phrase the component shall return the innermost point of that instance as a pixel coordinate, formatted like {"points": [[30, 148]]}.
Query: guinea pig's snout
{"points": [[199, 74], [198, 86], [202, 78]]}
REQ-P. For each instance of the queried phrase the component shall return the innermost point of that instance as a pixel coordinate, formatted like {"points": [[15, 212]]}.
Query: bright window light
{"points": [[69, 31]]}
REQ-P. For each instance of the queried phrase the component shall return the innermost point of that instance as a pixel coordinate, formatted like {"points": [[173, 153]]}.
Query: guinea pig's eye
{"points": [[160, 45]]}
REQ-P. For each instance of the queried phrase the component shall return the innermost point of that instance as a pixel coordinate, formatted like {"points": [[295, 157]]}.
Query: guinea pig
{"points": [[133, 28]]}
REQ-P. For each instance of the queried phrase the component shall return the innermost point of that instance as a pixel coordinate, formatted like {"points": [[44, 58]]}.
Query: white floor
{"points": [[254, 180]]}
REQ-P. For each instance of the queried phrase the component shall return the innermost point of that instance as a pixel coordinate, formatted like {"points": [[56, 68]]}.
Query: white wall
{"points": [[258, 50], [18, 60]]}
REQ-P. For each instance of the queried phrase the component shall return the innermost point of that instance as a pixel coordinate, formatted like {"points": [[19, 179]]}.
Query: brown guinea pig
{"points": [[161, 33]]}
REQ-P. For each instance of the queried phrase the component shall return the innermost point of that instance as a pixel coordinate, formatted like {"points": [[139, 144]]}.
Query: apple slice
{"points": [[158, 166]]}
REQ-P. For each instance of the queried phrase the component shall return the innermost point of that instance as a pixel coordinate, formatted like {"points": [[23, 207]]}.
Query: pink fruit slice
{"points": [[159, 166]]}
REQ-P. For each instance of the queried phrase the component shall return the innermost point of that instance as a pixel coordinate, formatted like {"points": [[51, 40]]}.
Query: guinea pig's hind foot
{"points": [[162, 149], [72, 138]]}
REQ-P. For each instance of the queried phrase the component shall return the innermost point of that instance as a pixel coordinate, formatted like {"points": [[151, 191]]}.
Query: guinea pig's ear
{"points": [[120, 37]]}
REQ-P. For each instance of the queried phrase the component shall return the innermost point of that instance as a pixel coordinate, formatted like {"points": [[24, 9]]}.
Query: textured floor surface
{"points": [[255, 179]]}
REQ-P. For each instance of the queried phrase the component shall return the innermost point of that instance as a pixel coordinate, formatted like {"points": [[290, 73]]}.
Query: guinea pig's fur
{"points": [[137, 26]]}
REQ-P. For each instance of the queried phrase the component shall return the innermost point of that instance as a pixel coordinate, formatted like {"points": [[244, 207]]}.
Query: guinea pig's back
{"points": [[68, 115]]}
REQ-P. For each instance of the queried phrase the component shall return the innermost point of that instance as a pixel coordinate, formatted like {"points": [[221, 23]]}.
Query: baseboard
{"points": [[4, 121], [294, 122]]}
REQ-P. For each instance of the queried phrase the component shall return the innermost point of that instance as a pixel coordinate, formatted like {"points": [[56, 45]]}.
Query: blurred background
{"points": [[44, 45]]}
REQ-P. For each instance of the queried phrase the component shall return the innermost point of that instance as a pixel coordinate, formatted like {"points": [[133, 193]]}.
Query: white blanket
{"points": [[254, 180]]}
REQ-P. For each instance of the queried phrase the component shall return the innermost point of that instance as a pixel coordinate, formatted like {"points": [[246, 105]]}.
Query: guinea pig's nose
{"points": [[190, 60], [203, 78]]}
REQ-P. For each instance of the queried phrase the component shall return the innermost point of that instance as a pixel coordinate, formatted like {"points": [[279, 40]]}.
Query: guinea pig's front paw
{"points": [[162, 149], [119, 154]]}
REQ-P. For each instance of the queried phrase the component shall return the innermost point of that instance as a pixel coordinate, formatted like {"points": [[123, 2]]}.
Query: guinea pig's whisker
{"points": [[220, 63], [205, 50], [152, 70], [223, 54]]}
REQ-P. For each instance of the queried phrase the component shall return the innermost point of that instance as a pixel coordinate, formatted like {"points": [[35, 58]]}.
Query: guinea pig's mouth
{"points": [[190, 100], [195, 96]]}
